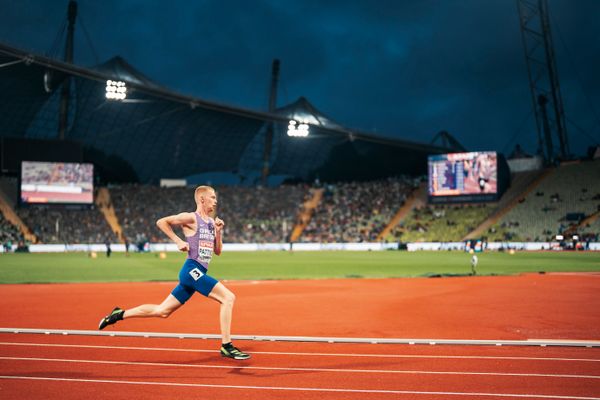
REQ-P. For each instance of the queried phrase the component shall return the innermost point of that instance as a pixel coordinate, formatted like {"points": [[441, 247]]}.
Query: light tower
{"points": [[63, 114], [543, 79], [270, 124]]}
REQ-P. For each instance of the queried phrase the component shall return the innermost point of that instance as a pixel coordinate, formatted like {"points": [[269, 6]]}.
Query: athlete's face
{"points": [[209, 201]]}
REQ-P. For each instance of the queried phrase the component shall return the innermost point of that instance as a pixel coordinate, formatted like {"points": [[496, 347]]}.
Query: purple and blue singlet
{"points": [[192, 276]]}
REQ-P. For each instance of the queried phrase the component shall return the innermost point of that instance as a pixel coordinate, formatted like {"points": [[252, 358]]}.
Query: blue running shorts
{"points": [[193, 278]]}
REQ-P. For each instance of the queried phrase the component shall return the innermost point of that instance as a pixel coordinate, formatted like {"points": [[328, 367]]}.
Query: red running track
{"points": [[521, 307]]}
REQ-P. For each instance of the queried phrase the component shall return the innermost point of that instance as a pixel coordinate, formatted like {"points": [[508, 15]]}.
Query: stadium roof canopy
{"points": [[121, 70], [163, 134]]}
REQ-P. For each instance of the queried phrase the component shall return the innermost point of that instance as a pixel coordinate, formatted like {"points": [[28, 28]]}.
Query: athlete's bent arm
{"points": [[166, 225], [219, 224]]}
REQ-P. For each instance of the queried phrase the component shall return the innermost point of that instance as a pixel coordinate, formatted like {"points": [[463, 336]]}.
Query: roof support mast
{"points": [[63, 116], [543, 78], [270, 124]]}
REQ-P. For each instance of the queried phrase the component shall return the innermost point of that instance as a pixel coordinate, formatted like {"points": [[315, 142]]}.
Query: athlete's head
{"points": [[206, 198]]}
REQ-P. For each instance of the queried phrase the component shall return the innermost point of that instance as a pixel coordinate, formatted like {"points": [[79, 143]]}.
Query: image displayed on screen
{"points": [[463, 173], [57, 182]]}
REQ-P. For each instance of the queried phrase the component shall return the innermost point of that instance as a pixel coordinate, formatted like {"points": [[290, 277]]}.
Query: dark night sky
{"points": [[406, 69]]}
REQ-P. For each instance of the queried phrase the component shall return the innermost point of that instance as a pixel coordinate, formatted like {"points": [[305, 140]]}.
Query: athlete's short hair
{"points": [[200, 190]]}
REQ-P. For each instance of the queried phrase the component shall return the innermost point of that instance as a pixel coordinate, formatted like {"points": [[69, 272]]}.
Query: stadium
{"points": [[361, 265]]}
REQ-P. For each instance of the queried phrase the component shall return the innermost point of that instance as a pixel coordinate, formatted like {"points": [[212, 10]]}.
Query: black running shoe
{"points": [[230, 351], [112, 318]]}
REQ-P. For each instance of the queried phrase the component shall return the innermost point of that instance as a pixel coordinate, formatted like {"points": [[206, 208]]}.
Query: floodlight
{"points": [[297, 129], [116, 90]]}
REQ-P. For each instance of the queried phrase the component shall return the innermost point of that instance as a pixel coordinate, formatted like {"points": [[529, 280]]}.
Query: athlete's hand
{"points": [[183, 246], [219, 224]]}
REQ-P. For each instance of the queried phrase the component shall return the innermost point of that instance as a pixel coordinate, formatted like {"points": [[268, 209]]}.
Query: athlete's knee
{"points": [[229, 298], [164, 312]]}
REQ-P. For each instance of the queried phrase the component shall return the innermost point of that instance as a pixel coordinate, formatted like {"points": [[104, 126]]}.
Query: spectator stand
{"points": [[355, 212], [570, 189], [11, 217]]}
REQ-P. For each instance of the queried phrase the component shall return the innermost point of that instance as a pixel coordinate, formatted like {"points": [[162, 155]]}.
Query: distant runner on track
{"points": [[203, 236]]}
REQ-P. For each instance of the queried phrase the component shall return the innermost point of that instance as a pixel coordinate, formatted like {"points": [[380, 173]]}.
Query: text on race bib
{"points": [[205, 251], [196, 274]]}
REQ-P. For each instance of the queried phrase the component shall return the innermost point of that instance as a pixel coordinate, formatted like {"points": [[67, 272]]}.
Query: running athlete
{"points": [[203, 236]]}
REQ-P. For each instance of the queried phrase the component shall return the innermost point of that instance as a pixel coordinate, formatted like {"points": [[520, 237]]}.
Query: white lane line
{"points": [[300, 389], [83, 346], [248, 367]]}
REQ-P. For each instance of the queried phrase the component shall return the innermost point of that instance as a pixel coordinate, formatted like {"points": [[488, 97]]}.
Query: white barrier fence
{"points": [[421, 246], [496, 246]]}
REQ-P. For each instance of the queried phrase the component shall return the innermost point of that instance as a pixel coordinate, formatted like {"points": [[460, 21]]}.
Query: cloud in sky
{"points": [[406, 69]]}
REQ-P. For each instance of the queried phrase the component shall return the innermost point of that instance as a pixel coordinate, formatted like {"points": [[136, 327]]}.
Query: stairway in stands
{"points": [[522, 184], [417, 198], [104, 204], [306, 214]]}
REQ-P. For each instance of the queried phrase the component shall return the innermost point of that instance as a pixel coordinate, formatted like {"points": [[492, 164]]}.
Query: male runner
{"points": [[203, 237]]}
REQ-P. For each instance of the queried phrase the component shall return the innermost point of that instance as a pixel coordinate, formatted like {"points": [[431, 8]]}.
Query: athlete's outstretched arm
{"points": [[166, 225]]}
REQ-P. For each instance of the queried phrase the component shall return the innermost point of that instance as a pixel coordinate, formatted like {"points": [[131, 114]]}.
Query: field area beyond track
{"points": [[79, 267]]}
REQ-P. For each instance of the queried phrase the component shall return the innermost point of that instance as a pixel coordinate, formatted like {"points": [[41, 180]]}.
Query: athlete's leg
{"points": [[226, 297], [162, 310]]}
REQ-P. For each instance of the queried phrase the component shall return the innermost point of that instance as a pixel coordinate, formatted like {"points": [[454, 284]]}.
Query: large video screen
{"points": [[463, 174], [57, 182]]}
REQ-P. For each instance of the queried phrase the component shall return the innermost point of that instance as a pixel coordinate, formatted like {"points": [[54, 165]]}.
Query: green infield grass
{"points": [[79, 267]]}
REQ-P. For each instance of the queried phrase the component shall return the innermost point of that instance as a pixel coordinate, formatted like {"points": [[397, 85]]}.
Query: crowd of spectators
{"points": [[138, 207], [350, 212], [67, 225], [260, 214], [347, 212], [251, 214], [9, 234], [357, 211]]}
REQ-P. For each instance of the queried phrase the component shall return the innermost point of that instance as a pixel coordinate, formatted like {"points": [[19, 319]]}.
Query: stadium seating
{"points": [[65, 225], [569, 189], [440, 223], [139, 206], [347, 212], [251, 215], [521, 184], [260, 214], [591, 231], [9, 234], [10, 224], [357, 211]]}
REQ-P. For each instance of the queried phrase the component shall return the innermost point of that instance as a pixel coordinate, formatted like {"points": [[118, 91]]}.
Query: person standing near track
{"points": [[474, 261], [203, 237], [107, 244]]}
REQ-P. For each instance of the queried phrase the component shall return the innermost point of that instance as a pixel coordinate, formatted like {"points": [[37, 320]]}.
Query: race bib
{"points": [[205, 251], [196, 274]]}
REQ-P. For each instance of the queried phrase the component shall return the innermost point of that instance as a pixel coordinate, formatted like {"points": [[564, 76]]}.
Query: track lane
{"points": [[478, 308], [360, 363], [115, 388], [165, 370]]}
